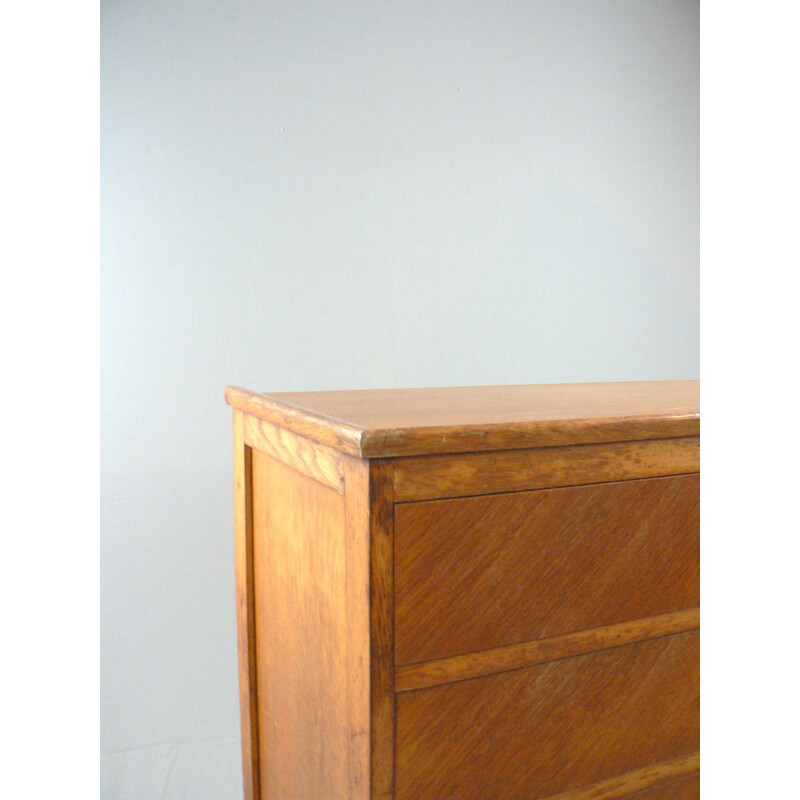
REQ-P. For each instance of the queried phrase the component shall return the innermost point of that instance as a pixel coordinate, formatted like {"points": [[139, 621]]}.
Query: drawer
{"points": [[620, 716], [477, 573]]}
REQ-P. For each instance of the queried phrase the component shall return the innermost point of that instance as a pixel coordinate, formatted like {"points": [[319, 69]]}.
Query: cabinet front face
{"points": [[546, 643]]}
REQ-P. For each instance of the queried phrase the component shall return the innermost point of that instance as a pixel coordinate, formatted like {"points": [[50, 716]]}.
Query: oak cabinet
{"points": [[481, 594]]}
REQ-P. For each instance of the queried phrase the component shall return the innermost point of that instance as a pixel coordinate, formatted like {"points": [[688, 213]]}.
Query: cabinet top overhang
{"points": [[383, 423]]}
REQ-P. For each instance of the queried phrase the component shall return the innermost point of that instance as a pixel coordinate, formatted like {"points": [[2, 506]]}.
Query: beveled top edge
{"points": [[381, 423], [306, 422]]}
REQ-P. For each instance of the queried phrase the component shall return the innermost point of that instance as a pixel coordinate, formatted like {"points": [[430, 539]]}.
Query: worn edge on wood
{"points": [[418, 441], [463, 475], [396, 442], [245, 608], [315, 460], [325, 430], [411, 677], [635, 781]]}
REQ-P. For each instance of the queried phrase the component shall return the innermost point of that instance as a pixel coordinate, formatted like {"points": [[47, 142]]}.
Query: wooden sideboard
{"points": [[469, 594]]}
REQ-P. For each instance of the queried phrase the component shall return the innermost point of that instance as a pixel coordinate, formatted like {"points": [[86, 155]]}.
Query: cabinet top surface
{"points": [[399, 422]]}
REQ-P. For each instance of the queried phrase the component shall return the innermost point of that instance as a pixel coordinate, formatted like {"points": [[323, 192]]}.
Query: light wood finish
{"points": [[402, 422], [468, 593], [330, 432], [528, 654], [476, 573], [382, 629], [323, 631], [324, 464], [301, 634], [672, 779], [357, 597], [687, 788], [442, 476], [245, 608], [370, 521], [551, 728]]}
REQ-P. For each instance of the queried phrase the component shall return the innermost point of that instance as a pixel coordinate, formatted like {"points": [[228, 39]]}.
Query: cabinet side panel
{"points": [[243, 497], [299, 558]]}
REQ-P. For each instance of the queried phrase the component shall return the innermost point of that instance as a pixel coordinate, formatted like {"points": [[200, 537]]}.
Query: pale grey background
{"points": [[353, 195]]}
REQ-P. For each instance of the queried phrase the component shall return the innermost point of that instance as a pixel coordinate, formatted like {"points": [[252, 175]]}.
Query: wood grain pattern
{"points": [[551, 728], [245, 608], [433, 477], [483, 572], [322, 463], [359, 647], [370, 579], [299, 555], [404, 422], [687, 788], [515, 656], [381, 528], [463, 594], [656, 781], [313, 425]]}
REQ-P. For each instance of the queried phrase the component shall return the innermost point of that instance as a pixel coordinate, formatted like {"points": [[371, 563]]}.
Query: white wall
{"points": [[353, 195]]}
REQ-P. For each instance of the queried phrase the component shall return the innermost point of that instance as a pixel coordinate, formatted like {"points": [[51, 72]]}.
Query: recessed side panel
{"points": [[299, 566]]}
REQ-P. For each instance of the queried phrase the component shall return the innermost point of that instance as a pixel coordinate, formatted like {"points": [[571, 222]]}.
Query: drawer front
{"points": [[482, 572], [619, 716]]}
